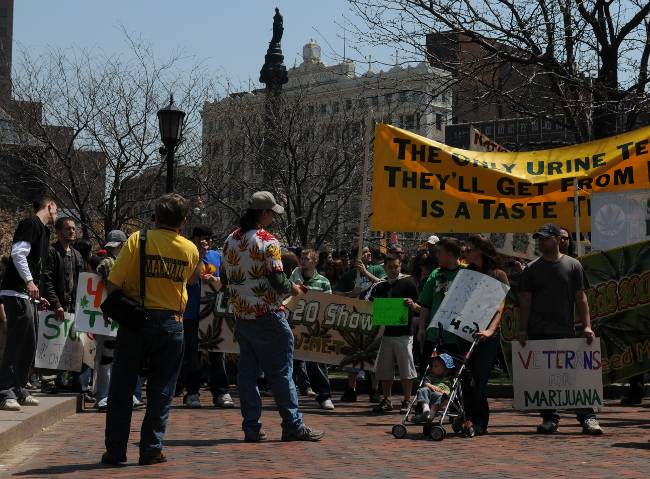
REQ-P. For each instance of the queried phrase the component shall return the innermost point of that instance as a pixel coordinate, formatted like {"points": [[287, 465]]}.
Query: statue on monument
{"points": [[278, 28]]}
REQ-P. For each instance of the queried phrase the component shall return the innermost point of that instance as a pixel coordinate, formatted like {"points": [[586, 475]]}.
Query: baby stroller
{"points": [[454, 409]]}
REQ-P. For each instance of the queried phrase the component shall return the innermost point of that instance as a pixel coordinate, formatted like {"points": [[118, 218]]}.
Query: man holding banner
{"points": [[549, 290]]}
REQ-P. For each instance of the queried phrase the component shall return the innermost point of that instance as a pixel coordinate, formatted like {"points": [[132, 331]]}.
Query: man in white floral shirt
{"points": [[257, 285]]}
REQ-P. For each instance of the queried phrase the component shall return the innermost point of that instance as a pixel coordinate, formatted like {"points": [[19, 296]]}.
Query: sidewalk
{"points": [[208, 443], [17, 426]]}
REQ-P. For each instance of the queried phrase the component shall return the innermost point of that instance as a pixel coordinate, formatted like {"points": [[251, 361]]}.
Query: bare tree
{"points": [[93, 119], [586, 60], [313, 166]]}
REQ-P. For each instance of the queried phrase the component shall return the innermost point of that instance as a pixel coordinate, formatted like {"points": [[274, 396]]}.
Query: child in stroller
{"points": [[433, 395]]}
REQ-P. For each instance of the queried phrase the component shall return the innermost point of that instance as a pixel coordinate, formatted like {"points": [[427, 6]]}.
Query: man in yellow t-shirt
{"points": [[170, 261]]}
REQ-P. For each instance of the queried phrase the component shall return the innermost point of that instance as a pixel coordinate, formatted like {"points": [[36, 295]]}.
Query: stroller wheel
{"points": [[399, 431], [438, 433]]}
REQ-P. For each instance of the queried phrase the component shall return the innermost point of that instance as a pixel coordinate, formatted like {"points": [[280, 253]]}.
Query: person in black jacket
{"points": [[60, 278], [64, 263]]}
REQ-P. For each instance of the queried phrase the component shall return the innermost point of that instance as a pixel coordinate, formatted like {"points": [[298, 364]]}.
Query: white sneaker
{"points": [[224, 401], [192, 401], [327, 404], [102, 404], [30, 401], [9, 405]]}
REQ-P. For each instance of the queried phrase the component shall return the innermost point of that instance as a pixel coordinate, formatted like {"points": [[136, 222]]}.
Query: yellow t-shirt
{"points": [[170, 261]]}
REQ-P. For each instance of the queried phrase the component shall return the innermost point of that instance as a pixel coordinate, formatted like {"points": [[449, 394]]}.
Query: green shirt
{"points": [[317, 282], [443, 383], [346, 282], [433, 292]]}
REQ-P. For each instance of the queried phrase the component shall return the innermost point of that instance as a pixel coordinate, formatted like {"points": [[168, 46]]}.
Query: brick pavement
{"points": [[208, 443]]}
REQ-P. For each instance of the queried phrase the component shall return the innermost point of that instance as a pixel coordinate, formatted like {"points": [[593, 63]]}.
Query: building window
{"points": [[348, 104], [533, 125], [500, 129], [522, 127], [403, 96], [511, 128], [488, 130], [438, 121], [388, 97], [410, 122], [401, 121], [375, 101], [323, 109], [547, 125], [335, 107]]}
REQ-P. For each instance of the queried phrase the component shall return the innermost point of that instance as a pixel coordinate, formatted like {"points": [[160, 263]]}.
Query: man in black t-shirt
{"points": [[550, 288], [397, 343], [20, 287]]}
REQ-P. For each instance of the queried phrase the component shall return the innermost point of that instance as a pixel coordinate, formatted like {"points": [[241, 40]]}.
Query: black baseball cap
{"points": [[547, 231]]}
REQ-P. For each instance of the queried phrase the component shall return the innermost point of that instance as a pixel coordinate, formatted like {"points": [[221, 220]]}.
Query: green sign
{"points": [[389, 312]]}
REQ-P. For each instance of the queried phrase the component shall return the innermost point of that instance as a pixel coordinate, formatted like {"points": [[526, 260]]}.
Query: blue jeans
{"points": [[161, 342], [426, 395], [219, 383], [266, 344]]}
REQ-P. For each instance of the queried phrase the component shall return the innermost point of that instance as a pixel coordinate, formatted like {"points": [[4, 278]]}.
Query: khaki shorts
{"points": [[395, 349]]}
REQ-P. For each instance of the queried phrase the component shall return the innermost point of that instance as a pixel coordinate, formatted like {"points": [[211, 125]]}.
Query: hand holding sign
{"points": [[470, 304]]}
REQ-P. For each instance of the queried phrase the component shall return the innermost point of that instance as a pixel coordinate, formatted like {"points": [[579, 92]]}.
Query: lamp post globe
{"points": [[170, 123]]}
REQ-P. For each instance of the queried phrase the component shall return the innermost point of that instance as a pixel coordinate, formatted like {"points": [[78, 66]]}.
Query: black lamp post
{"points": [[170, 122]]}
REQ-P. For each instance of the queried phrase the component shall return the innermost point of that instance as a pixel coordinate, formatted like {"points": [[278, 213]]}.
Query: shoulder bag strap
{"points": [[143, 247]]}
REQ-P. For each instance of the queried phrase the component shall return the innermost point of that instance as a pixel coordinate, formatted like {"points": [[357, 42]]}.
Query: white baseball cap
{"points": [[433, 239]]}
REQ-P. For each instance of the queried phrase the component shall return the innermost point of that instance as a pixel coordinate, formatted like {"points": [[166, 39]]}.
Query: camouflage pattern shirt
{"points": [[248, 258]]}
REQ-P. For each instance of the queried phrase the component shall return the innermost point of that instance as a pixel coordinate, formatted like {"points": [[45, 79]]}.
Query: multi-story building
{"points": [[408, 97]]}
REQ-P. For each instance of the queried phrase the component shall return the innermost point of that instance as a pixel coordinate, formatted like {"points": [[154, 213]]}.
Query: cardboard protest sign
{"points": [[389, 312], [89, 316], [328, 328], [470, 304], [519, 245], [434, 187], [59, 345], [618, 293], [557, 374]]}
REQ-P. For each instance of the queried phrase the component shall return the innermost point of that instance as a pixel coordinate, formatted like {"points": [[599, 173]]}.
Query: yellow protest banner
{"points": [[422, 185]]}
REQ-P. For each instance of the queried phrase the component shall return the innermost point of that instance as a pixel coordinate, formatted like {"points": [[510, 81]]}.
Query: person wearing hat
{"points": [[436, 385], [432, 248], [105, 345], [257, 285], [550, 288]]}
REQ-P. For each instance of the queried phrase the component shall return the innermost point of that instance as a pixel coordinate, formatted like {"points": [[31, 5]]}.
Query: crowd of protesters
{"points": [[40, 274]]}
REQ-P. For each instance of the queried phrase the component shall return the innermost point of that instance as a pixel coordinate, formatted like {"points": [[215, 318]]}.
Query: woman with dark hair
{"points": [[324, 258], [482, 257]]}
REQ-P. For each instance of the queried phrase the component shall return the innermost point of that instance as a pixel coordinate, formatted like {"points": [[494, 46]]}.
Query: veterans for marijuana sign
{"points": [[557, 374]]}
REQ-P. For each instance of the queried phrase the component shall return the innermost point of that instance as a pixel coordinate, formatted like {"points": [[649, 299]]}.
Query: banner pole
{"points": [[364, 190], [576, 210]]}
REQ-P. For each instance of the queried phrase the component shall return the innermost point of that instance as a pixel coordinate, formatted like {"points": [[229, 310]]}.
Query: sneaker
{"points": [[102, 404], [404, 407], [302, 434], [374, 396], [591, 427], [547, 427], [350, 395], [255, 436], [29, 401], [112, 460], [327, 404], [137, 404], [309, 392], [192, 401], [384, 406], [157, 459], [223, 401], [9, 405]]}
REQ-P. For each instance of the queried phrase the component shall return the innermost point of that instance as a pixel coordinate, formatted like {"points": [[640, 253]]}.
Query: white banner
{"points": [[89, 317], [470, 304], [59, 346], [557, 374]]}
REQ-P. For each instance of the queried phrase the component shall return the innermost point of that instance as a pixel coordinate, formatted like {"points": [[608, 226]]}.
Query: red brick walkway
{"points": [[208, 443]]}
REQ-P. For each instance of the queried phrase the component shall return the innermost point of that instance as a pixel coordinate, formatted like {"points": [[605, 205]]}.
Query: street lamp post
{"points": [[170, 122]]}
